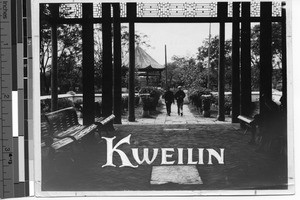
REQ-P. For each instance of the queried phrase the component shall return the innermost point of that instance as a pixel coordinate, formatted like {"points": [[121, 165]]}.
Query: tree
{"points": [[45, 46], [276, 52], [193, 72], [70, 51], [69, 57], [202, 57], [173, 74]]}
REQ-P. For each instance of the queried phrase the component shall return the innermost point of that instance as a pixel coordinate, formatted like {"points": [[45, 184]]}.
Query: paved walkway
{"points": [[163, 118]]}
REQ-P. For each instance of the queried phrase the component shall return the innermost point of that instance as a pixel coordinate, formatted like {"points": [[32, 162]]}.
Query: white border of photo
{"points": [[224, 194]]}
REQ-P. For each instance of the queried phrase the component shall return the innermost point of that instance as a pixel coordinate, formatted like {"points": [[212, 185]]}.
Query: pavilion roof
{"points": [[143, 61]]}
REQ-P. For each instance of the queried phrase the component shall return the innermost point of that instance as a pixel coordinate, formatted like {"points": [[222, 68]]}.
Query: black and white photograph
{"points": [[158, 98]]}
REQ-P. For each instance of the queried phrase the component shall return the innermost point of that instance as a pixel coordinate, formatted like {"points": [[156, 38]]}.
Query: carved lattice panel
{"points": [[276, 9], [70, 10], [123, 9], [97, 10], [230, 9], [255, 8], [153, 10], [213, 9], [74, 10], [176, 9]]}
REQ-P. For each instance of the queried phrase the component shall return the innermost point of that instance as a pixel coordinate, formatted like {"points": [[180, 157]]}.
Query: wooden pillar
{"points": [[117, 65], [265, 53], [235, 63], [88, 64], [54, 85], [107, 77], [245, 60], [222, 13], [131, 12]]}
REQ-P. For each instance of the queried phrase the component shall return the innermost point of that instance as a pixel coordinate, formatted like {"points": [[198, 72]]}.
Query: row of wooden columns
{"points": [[111, 77], [241, 58], [241, 61], [111, 71]]}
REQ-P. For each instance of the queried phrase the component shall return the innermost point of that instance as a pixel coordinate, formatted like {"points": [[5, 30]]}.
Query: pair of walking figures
{"points": [[169, 99]]}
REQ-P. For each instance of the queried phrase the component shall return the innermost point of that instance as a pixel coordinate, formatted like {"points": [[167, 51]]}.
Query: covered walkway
{"points": [[112, 15]]}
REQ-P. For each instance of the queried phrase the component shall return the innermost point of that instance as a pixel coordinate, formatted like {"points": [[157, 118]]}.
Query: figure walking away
{"points": [[179, 96], [169, 99]]}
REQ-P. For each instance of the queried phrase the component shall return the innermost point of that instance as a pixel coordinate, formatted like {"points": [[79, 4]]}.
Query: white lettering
{"points": [[135, 154], [190, 157], [164, 156], [111, 150], [219, 157], [180, 156], [200, 154]]}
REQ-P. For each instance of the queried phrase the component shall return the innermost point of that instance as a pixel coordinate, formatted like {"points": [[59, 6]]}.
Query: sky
{"points": [[182, 39]]}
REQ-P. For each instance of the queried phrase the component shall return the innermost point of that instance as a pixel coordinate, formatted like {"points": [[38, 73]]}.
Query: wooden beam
{"points": [[54, 84], [235, 63], [131, 12], [265, 54], [117, 99], [222, 13], [245, 60], [88, 64], [107, 77]]}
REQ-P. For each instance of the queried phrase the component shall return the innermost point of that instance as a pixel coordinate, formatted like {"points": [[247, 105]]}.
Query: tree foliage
{"points": [[276, 55], [70, 52], [212, 72], [194, 72]]}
